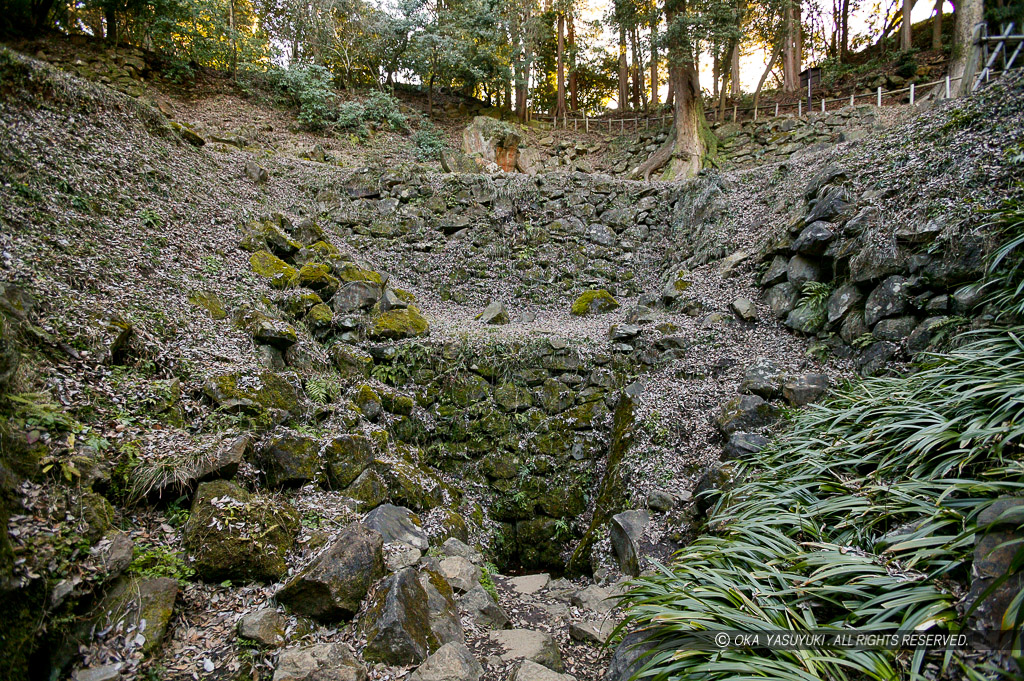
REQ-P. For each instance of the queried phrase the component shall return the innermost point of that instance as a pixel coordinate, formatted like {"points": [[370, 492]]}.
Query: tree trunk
{"points": [[734, 69], [844, 33], [937, 26], [111, 17], [791, 48], [764, 76], [574, 100], [905, 37], [623, 73], [638, 71], [560, 104], [40, 13], [654, 62], [430, 96], [234, 42], [965, 58]]}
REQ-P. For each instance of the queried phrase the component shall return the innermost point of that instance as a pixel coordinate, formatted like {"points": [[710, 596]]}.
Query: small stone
{"points": [[594, 598], [529, 670], [452, 662], [744, 309], [266, 627], [323, 662], [626, 529], [256, 173], [741, 445], [480, 606], [661, 501], [596, 632], [535, 646], [108, 672], [398, 524], [494, 313], [804, 389]]}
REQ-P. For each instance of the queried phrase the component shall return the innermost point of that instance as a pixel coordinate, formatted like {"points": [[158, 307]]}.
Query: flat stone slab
{"points": [[530, 584]]}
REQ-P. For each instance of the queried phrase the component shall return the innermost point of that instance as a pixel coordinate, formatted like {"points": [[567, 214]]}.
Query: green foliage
{"points": [[151, 561], [429, 142], [309, 88], [814, 299], [324, 388], [382, 107], [486, 581]]}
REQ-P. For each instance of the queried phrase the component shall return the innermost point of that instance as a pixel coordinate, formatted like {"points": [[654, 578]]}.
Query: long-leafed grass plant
{"points": [[862, 515]]}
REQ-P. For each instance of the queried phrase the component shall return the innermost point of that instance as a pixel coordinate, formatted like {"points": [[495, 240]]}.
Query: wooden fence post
{"points": [[851, 99], [911, 94], [822, 105], [799, 108], [947, 86], [733, 113], [776, 109], [879, 96]]}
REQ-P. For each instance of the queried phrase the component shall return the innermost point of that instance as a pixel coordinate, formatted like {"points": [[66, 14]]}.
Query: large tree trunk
{"points": [[791, 57], [937, 26], [574, 100], [844, 32], [638, 71], [684, 151], [734, 69], [654, 62], [965, 58], [623, 72], [111, 17], [40, 13], [560, 104], [905, 37]]}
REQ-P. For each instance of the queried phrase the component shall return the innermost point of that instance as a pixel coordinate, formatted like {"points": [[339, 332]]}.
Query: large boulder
{"points": [[234, 535], [131, 602], [529, 670], [397, 622], [333, 585], [398, 324], [266, 627], [289, 460], [628, 657], [255, 393], [322, 662], [345, 458], [481, 607], [595, 301], [444, 612], [454, 161], [889, 299], [492, 141], [398, 524]]}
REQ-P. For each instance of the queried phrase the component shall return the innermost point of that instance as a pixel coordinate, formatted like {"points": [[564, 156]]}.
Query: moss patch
{"points": [[350, 272], [595, 301], [398, 324], [279, 273]]}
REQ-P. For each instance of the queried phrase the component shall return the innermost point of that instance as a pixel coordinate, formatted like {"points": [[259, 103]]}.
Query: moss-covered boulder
{"points": [[317, 276], [345, 459], [369, 489], [411, 485], [350, 361], [745, 413], [397, 623], [368, 401], [539, 543], [513, 398], [595, 301], [234, 535], [333, 585], [296, 303], [396, 403], [555, 396], [129, 602], [352, 272], [254, 393], [267, 330], [289, 460], [397, 324], [277, 272]]}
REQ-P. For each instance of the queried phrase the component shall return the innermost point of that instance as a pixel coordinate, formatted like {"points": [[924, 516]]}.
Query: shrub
{"points": [[309, 88], [383, 108], [429, 142]]}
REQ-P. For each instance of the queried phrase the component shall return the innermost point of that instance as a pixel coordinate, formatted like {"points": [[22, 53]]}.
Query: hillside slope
{"points": [[215, 362]]}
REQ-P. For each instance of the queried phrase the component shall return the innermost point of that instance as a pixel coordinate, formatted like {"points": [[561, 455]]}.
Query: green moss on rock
{"points": [[276, 271], [595, 301], [397, 324], [209, 301], [351, 272]]}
